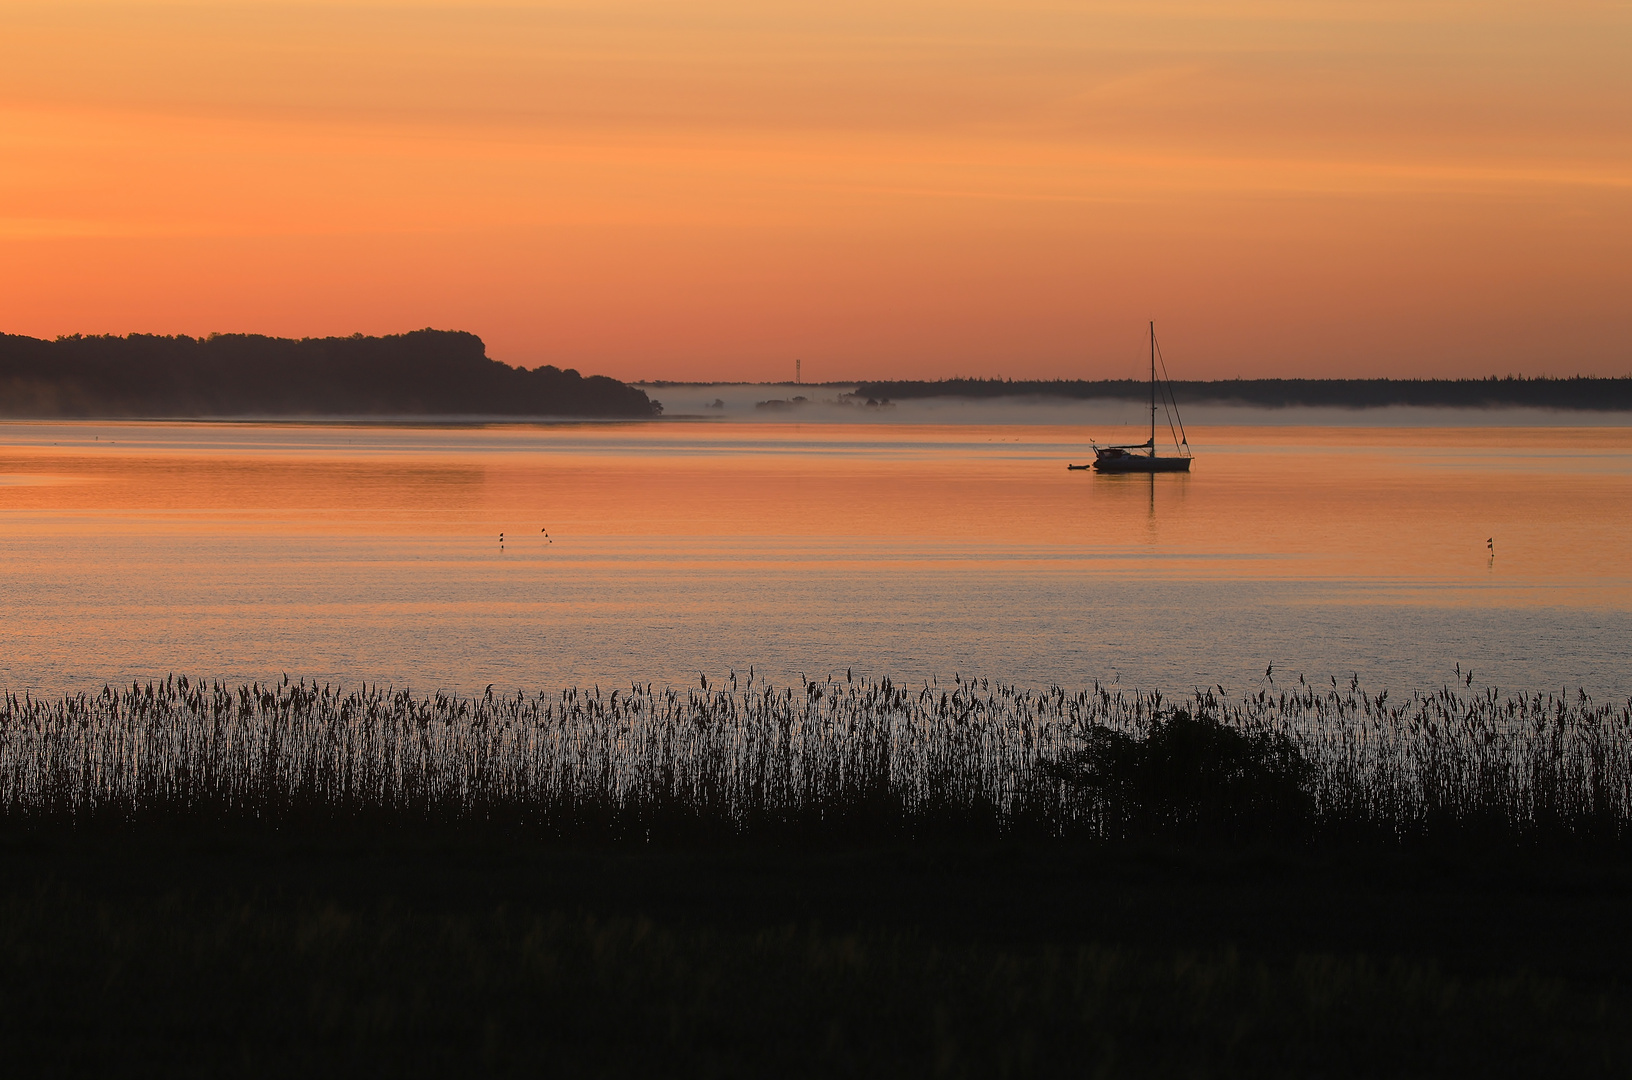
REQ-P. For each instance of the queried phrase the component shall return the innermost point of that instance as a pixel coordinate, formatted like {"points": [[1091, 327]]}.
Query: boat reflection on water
{"points": [[1127, 491]]}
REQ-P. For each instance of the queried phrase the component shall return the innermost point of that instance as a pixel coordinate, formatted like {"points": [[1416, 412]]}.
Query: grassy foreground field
{"points": [[255, 955], [841, 878], [387, 956]]}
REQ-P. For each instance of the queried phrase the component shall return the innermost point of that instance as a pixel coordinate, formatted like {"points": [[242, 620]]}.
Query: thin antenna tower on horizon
{"points": [[798, 372]]}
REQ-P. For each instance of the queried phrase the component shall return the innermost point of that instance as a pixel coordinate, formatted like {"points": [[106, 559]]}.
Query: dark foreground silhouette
{"points": [[428, 953], [844, 878], [1539, 393], [422, 373]]}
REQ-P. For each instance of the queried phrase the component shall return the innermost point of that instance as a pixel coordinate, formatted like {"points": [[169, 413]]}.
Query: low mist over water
{"points": [[1108, 419]]}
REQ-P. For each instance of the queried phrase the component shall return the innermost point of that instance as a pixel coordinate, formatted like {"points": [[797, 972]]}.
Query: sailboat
{"points": [[1124, 459]]}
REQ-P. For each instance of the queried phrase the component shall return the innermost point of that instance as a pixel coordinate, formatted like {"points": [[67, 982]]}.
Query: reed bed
{"points": [[842, 757]]}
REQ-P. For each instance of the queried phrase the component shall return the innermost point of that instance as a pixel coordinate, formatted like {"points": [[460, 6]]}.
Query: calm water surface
{"points": [[357, 552]]}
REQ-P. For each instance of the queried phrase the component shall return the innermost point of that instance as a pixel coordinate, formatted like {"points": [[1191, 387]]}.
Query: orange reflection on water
{"points": [[362, 550]]}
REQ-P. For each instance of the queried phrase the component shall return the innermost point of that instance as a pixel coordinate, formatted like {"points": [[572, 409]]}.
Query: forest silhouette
{"points": [[421, 373], [1576, 392]]}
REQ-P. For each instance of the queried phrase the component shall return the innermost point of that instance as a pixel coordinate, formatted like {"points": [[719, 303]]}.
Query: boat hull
{"points": [[1140, 463]]}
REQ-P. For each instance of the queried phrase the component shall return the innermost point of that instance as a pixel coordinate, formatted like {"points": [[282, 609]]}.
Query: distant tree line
{"points": [[1546, 393], [425, 373]]}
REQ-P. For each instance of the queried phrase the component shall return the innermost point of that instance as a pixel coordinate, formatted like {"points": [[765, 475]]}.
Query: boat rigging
{"points": [[1124, 459]]}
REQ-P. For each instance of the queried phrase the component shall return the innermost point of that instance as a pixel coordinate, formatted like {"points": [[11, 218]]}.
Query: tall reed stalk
{"points": [[840, 757]]}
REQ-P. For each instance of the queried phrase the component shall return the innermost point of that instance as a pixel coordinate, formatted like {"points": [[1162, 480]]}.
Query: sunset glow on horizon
{"points": [[711, 190]]}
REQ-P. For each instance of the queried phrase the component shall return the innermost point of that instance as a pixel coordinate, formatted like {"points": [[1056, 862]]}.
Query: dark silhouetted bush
{"points": [[1192, 776]]}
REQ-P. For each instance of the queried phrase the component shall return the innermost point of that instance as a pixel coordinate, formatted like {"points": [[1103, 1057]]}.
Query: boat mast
{"points": [[1153, 388]]}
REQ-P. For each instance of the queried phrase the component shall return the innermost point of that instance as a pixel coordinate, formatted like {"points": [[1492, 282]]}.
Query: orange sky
{"points": [[694, 190]]}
